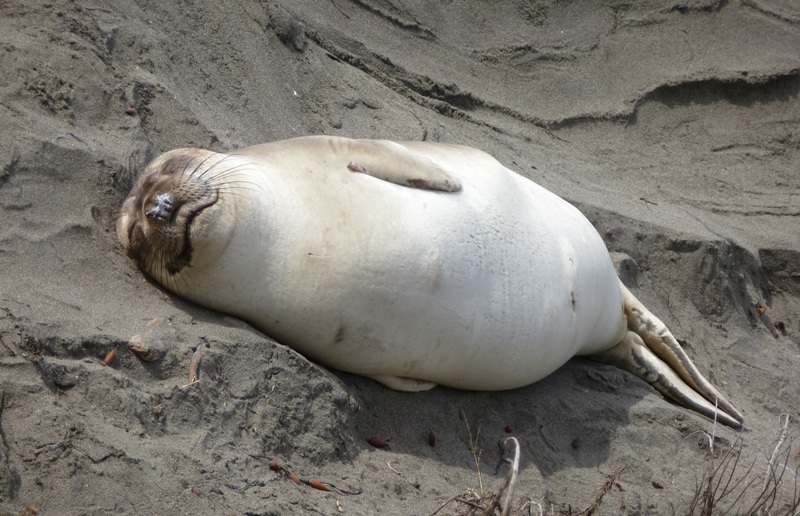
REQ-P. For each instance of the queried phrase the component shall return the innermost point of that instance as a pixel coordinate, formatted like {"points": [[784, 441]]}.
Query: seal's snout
{"points": [[163, 209]]}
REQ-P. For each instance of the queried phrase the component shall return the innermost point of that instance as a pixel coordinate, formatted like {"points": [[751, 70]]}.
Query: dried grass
{"points": [[723, 487], [722, 490]]}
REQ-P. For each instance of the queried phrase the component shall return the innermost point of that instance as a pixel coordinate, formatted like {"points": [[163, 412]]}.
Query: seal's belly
{"points": [[380, 279]]}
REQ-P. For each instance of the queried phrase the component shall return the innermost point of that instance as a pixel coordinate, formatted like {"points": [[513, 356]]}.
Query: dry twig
{"points": [[506, 495]]}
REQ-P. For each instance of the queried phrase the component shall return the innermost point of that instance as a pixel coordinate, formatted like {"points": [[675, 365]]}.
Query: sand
{"points": [[675, 127]]}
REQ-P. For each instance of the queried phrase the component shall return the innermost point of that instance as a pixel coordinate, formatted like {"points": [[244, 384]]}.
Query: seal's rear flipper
{"points": [[397, 164], [651, 352], [633, 356], [400, 383]]}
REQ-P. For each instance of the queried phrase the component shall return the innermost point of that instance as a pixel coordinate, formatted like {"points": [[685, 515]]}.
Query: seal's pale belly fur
{"points": [[379, 279]]}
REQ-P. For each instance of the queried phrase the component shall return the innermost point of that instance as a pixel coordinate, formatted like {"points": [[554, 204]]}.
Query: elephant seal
{"points": [[412, 263]]}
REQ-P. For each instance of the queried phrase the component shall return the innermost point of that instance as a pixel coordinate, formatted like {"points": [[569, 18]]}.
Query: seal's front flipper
{"points": [[397, 164], [632, 355], [400, 383]]}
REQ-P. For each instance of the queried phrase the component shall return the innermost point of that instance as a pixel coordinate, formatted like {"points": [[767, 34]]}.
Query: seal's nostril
{"points": [[163, 208]]}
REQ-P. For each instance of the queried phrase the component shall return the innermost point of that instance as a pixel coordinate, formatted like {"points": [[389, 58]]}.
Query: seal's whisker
{"points": [[163, 274], [212, 167], [180, 274], [224, 174], [173, 283], [227, 194], [239, 166], [148, 257], [153, 264], [162, 270], [233, 180], [203, 162], [159, 261], [234, 185], [187, 165]]}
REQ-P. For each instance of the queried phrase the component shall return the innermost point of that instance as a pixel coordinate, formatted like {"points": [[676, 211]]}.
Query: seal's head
{"points": [[170, 209]]}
